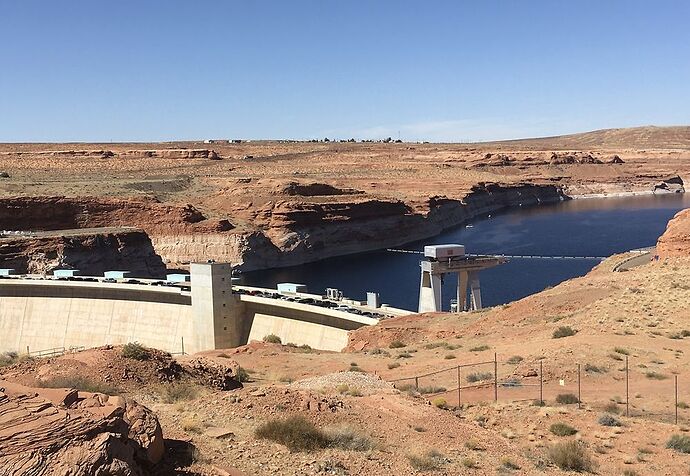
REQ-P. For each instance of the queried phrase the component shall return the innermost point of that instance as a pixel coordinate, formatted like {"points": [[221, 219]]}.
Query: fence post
{"points": [[182, 345], [416, 383], [495, 378], [458, 386], [541, 382], [27, 350], [579, 389], [676, 399], [627, 388]]}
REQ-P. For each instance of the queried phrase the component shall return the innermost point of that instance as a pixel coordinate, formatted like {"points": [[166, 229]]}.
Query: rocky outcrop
{"points": [[675, 242], [92, 252], [670, 185], [315, 189], [65, 432], [559, 158]]}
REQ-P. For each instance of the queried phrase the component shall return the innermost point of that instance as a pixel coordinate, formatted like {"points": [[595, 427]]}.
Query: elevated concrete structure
{"points": [[445, 259], [44, 313]]}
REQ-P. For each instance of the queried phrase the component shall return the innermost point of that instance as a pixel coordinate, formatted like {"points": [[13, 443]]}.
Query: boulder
{"points": [[49, 431]]}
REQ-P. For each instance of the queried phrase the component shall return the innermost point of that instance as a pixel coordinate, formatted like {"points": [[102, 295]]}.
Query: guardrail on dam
{"points": [[43, 313]]}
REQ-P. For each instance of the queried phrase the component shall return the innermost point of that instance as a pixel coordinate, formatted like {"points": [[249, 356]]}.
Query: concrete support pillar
{"points": [[216, 326], [429, 290], [475, 291], [462, 291]]}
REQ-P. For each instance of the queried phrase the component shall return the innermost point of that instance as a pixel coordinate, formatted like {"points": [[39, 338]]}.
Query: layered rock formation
{"points": [[675, 242], [287, 231], [91, 251], [65, 432]]}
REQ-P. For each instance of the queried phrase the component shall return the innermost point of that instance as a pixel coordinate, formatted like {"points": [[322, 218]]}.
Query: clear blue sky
{"points": [[97, 70]]}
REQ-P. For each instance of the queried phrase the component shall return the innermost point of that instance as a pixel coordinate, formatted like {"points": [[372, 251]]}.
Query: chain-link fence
{"points": [[627, 390]]}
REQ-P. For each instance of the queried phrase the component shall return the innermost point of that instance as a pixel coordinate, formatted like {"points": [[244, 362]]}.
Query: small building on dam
{"points": [[38, 313]]}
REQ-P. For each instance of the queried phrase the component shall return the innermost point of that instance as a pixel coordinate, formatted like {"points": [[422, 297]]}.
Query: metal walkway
{"points": [[593, 258]]}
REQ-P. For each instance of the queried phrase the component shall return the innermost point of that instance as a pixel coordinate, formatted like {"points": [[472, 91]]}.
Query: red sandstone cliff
{"points": [[676, 239], [91, 251]]}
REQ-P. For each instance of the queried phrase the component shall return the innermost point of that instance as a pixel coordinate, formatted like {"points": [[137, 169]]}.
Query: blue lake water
{"points": [[589, 227]]}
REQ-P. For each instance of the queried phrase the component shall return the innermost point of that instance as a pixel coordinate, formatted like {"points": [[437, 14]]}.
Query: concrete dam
{"points": [[39, 313]]}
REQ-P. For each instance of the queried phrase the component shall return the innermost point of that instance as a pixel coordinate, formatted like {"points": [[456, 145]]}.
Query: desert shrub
{"points": [[419, 429], [404, 355], [564, 331], [8, 358], [473, 445], [616, 357], [594, 369], [379, 351], [404, 387], [621, 350], [680, 443], [612, 408], [480, 348], [571, 455], [449, 356], [178, 392], [81, 383], [562, 429], [295, 432], [272, 339], [393, 365], [445, 345], [136, 351], [356, 368], [355, 392], [479, 376], [469, 463], [242, 375], [434, 345], [609, 420], [342, 388], [439, 402], [683, 405], [431, 460], [566, 398], [508, 463], [431, 389], [396, 344], [538, 403], [192, 426], [346, 437], [516, 359], [655, 375]]}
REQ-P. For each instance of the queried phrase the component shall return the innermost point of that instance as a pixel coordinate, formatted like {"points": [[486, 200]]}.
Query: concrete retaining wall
{"points": [[43, 314], [47, 322]]}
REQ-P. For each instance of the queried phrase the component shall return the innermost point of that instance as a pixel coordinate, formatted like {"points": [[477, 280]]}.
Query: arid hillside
{"points": [[646, 137], [266, 204], [390, 404]]}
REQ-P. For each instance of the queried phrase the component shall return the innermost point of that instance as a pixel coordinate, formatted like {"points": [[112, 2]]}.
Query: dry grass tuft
{"points": [[571, 455]]}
